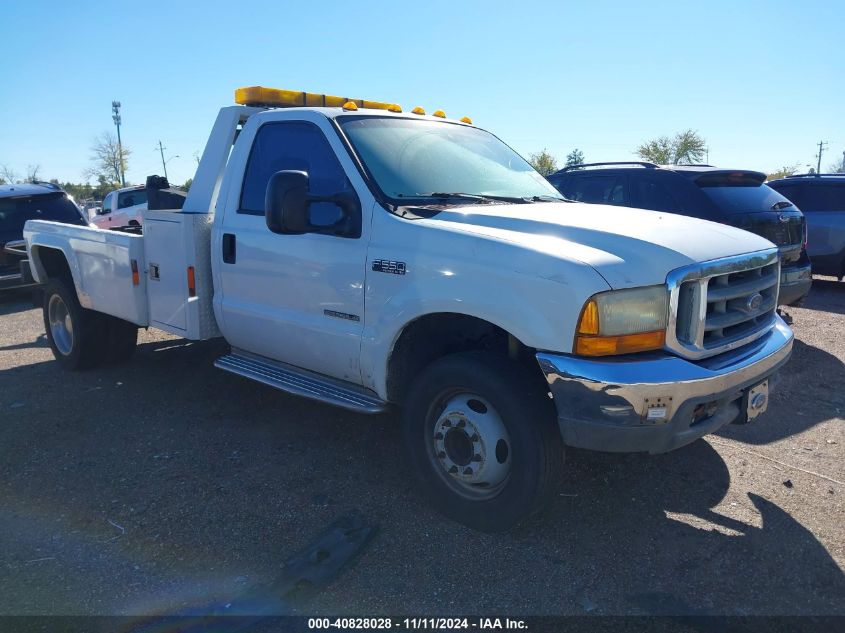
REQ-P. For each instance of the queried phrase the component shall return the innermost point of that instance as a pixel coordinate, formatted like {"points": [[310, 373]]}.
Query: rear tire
{"points": [[482, 440], [73, 332]]}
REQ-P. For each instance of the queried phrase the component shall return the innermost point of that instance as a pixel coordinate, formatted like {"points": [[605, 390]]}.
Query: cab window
{"points": [[131, 198], [300, 146]]}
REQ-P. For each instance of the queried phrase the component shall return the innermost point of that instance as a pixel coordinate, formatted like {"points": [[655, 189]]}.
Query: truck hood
{"points": [[628, 247]]}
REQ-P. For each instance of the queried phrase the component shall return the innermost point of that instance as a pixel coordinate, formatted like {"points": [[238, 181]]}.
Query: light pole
{"points": [[164, 162], [115, 108]]}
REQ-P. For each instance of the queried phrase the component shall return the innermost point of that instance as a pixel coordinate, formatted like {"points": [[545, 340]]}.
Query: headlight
{"points": [[623, 321]]}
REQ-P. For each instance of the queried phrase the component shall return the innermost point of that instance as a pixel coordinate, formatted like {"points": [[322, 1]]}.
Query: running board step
{"points": [[301, 382]]}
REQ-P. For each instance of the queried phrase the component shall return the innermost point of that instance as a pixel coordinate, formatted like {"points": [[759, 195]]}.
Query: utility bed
{"points": [[160, 279]]}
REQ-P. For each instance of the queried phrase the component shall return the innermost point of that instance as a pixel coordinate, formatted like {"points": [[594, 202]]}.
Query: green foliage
{"points": [[783, 172], [575, 157], [684, 147], [188, 183], [543, 162]]}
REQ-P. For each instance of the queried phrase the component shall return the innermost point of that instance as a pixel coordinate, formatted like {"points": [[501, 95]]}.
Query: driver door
{"points": [[299, 298]]}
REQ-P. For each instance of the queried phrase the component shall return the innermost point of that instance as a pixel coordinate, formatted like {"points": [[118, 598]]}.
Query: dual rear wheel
{"points": [[80, 338]]}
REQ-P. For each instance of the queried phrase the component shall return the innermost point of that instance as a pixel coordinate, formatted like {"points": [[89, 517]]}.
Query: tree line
{"points": [[108, 160], [684, 148]]}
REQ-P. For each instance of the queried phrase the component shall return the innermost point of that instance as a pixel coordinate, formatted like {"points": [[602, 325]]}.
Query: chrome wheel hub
{"points": [[61, 325], [471, 445]]}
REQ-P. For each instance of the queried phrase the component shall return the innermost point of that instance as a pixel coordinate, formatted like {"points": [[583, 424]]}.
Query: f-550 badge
{"points": [[387, 266]]}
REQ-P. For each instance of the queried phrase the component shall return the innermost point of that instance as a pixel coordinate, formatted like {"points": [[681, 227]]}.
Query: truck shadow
{"points": [[811, 390], [205, 471], [644, 535], [12, 301]]}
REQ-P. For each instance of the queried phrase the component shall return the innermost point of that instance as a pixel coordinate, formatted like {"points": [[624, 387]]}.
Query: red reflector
{"points": [[192, 282], [135, 278]]}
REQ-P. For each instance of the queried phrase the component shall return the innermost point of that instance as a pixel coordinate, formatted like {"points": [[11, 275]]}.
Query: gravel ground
{"points": [[165, 484]]}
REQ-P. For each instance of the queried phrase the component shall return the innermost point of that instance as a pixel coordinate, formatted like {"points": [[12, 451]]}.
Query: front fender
{"points": [[532, 296]]}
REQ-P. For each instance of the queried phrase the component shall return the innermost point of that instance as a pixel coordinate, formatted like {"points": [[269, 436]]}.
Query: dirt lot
{"points": [[167, 484]]}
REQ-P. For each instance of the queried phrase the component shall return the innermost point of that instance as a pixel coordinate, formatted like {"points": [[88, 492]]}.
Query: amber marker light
{"points": [[192, 282]]}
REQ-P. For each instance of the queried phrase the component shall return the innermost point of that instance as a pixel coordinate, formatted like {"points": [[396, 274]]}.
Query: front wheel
{"points": [[483, 440]]}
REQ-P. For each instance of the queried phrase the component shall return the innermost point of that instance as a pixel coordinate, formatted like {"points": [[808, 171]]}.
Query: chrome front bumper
{"points": [[657, 402]]}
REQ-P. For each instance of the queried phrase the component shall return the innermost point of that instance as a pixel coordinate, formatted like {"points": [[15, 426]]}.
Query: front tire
{"points": [[482, 440], [72, 331]]}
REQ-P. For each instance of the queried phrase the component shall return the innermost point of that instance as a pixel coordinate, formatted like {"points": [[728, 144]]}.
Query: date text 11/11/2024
{"points": [[417, 623]]}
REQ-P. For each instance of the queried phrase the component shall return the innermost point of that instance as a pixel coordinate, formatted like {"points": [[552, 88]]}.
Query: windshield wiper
{"points": [[459, 195], [483, 197], [549, 199]]}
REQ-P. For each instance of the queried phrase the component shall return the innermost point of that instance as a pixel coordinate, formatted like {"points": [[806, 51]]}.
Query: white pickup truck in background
{"points": [[369, 258], [122, 207]]}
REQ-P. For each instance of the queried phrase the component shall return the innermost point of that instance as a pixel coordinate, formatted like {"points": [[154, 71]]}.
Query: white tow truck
{"points": [[370, 258]]}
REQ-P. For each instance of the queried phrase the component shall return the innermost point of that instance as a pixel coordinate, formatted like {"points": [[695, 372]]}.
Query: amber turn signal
{"points": [[625, 344], [589, 321]]}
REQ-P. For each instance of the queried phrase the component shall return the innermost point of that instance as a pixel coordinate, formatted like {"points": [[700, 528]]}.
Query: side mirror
{"points": [[287, 204]]}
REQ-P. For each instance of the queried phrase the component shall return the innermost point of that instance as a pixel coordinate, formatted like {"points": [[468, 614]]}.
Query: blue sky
{"points": [[763, 82]]}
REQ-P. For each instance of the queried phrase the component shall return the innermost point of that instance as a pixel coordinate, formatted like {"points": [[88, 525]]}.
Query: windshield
{"points": [[14, 212], [419, 159]]}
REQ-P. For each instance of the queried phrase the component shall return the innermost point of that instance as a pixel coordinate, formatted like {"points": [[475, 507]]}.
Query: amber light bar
{"points": [[277, 98]]}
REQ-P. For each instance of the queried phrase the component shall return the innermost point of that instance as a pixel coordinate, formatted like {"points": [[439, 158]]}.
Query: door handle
{"points": [[229, 248]]}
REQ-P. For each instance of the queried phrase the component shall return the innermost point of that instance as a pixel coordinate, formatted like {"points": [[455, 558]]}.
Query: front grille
{"points": [[723, 304]]}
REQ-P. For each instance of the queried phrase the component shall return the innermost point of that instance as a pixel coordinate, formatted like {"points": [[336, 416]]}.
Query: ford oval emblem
{"points": [[754, 302]]}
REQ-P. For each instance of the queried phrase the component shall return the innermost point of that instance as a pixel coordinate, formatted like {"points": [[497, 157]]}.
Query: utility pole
{"points": [[163, 164], [161, 149], [115, 108], [822, 146]]}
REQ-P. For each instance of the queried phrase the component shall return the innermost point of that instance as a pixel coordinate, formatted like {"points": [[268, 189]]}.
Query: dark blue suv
{"points": [[730, 196], [19, 203]]}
